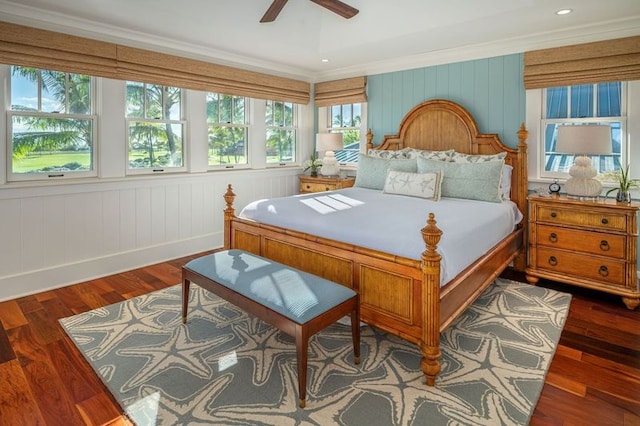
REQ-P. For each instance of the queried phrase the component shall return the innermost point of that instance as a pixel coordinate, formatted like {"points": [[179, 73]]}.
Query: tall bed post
{"points": [[229, 214], [520, 262], [430, 347]]}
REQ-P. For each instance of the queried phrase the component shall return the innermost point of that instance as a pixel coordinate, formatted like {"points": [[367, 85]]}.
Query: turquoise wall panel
{"points": [[491, 89]]}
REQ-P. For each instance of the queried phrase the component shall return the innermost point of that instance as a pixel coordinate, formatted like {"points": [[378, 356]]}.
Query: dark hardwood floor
{"points": [[594, 378]]}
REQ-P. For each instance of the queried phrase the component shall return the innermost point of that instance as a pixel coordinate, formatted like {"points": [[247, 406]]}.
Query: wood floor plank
{"points": [[44, 327], [45, 384], [80, 381], [100, 410], [11, 315], [17, 404], [89, 296], [6, 351]]}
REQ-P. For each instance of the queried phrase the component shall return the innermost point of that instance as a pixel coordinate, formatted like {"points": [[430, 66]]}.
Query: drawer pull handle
{"points": [[553, 261], [308, 186], [604, 221], [553, 237], [604, 245], [326, 188], [554, 214], [604, 271]]}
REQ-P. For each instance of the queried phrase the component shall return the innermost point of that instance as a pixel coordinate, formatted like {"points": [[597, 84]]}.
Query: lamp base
{"points": [[330, 166], [582, 182]]}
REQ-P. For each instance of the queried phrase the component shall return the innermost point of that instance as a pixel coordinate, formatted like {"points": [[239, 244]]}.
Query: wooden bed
{"points": [[400, 295]]}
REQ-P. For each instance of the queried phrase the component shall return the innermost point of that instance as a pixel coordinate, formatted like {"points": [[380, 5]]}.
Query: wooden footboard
{"points": [[398, 295]]}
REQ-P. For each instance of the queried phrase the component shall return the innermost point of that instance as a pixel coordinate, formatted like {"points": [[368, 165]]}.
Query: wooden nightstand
{"points": [[323, 183], [584, 243]]}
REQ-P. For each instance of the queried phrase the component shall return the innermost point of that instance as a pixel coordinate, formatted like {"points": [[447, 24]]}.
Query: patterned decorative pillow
{"points": [[372, 171], [473, 181], [459, 157], [423, 185], [384, 153], [425, 153]]}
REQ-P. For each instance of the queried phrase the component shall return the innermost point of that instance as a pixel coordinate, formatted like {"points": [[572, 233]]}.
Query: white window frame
{"points": [[535, 105], [325, 125], [182, 122], [296, 134], [49, 176], [247, 129]]}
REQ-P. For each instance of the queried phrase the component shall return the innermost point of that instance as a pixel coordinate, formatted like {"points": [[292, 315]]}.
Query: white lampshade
{"points": [[583, 140], [329, 142]]}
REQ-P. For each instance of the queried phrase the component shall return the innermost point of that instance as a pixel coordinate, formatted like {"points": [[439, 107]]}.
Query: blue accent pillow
{"points": [[372, 172], [472, 181]]}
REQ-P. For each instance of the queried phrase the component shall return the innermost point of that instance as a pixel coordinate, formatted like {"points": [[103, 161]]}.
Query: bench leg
{"points": [[302, 347], [355, 333], [185, 300]]}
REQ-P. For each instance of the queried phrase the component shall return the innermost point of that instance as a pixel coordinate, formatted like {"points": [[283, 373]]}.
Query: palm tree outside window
{"points": [[52, 125]]}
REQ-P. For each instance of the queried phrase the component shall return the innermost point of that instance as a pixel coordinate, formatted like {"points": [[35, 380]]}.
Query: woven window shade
{"points": [[339, 92], [26, 46], [31, 47], [610, 60]]}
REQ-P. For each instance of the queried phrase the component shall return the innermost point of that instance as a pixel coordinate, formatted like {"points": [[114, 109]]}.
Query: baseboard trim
{"points": [[36, 281]]}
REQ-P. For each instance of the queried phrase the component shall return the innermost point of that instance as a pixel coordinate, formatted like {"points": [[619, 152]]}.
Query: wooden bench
{"points": [[295, 302]]}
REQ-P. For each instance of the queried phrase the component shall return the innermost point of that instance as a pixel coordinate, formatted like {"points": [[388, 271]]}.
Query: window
{"points": [[347, 120], [52, 125], [281, 122], [155, 128], [227, 128], [602, 103]]}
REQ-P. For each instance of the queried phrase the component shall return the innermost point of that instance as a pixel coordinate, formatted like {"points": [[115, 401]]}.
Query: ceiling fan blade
{"points": [[274, 10], [336, 6]]}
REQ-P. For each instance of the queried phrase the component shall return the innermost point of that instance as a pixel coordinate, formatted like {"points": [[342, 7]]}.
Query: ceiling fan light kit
{"points": [[335, 6]]}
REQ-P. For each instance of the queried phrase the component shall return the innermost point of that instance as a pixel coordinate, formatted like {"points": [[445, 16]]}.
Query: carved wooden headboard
{"points": [[441, 124]]}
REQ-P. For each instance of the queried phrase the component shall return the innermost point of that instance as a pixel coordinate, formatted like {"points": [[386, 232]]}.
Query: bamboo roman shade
{"points": [[26, 46], [610, 60], [338, 92]]}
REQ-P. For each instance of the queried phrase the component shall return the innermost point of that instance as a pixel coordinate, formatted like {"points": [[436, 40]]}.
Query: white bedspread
{"points": [[391, 223]]}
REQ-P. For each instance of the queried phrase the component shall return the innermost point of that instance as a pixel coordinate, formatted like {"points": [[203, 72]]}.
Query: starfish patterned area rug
{"points": [[227, 367]]}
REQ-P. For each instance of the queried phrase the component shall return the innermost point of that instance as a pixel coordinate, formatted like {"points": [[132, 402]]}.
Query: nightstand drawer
{"points": [[603, 244], [563, 216], [607, 270], [309, 184], [316, 187]]}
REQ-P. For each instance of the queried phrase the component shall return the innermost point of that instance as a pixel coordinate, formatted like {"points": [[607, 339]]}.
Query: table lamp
{"points": [[329, 142], [583, 140]]}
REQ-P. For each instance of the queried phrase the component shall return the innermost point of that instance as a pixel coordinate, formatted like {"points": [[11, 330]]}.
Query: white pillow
{"points": [[423, 185], [505, 182]]}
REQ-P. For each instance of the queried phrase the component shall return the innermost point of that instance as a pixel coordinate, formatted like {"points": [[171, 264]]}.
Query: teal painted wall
{"points": [[491, 89]]}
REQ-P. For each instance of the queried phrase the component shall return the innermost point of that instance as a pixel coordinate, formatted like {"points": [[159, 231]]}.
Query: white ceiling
{"points": [[385, 36]]}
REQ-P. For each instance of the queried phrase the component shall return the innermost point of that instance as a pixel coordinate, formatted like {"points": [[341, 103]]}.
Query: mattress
{"points": [[391, 223]]}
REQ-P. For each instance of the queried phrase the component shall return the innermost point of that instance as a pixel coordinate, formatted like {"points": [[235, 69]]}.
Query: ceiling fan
{"points": [[336, 6]]}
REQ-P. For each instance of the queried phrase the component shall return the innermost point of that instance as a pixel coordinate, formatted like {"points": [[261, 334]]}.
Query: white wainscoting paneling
{"points": [[56, 235]]}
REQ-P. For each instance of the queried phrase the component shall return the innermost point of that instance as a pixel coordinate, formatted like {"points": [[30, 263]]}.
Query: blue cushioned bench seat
{"points": [[297, 303]]}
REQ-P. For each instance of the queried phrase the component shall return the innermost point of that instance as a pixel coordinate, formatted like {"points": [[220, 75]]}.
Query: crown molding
{"points": [[569, 36]]}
